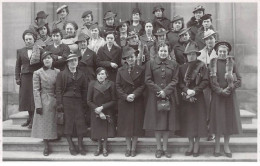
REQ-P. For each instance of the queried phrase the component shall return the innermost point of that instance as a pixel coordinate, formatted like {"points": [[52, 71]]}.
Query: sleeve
{"points": [[18, 66], [100, 62], [64, 54], [238, 81], [182, 84], [215, 86], [90, 101], [119, 89], [171, 86], [204, 82], [59, 88], [113, 99], [149, 78], [139, 90], [37, 89]]}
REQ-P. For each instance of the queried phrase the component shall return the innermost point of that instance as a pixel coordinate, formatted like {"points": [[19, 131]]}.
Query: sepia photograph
{"points": [[142, 81]]}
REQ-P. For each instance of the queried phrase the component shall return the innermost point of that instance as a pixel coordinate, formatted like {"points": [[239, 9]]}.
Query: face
{"points": [[131, 59], [198, 14], [56, 37], [185, 36], [123, 28], [210, 41], [47, 61], [162, 38], [136, 16], [43, 31], [87, 19], [110, 21], [63, 13], [222, 52], [177, 25], [206, 23], [70, 30], [149, 27], [163, 52], [110, 39], [158, 13], [134, 40], [83, 44], [101, 76], [73, 63], [29, 40], [94, 33], [191, 56]]}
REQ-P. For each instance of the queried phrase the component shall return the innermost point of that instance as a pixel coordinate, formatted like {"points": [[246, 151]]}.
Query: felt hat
{"points": [[72, 56], [60, 8], [136, 10], [191, 47], [86, 13], [41, 14], [82, 37], [158, 7], [208, 33], [128, 51], [161, 31], [46, 53], [223, 43], [198, 8], [176, 18], [183, 31], [71, 22], [205, 17], [121, 23], [31, 32], [94, 26], [109, 14]]}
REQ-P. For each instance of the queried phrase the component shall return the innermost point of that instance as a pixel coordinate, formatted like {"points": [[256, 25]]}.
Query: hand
{"points": [[114, 65], [18, 82], [226, 91], [59, 57], [60, 108], [39, 111], [190, 92], [102, 116], [161, 94], [98, 109], [130, 98]]}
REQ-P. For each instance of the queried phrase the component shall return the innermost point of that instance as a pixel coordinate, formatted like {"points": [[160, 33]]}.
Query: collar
{"points": [[46, 68], [160, 61]]}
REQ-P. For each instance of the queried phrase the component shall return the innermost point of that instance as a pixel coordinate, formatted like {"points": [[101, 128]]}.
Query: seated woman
{"points": [[224, 109], [87, 17], [177, 26], [71, 92], [44, 124], [161, 78], [95, 41], [102, 101], [193, 79], [70, 38], [130, 87]]}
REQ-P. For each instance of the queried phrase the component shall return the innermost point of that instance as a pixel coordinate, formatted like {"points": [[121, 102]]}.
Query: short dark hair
{"points": [[47, 27], [57, 30], [99, 69]]}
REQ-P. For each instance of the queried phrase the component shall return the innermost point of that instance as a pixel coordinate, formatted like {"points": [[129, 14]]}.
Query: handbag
{"points": [[163, 104], [60, 118]]}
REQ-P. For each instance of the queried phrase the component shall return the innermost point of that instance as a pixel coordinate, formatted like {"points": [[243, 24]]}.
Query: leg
{"points": [[165, 143], [71, 145], [196, 147], [27, 121], [134, 143], [128, 146], [217, 146], [105, 152], [190, 149], [81, 147], [226, 146], [158, 136], [98, 148], [46, 147], [31, 114]]}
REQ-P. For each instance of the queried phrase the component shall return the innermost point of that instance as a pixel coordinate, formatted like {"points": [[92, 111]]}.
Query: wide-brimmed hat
{"points": [[60, 8], [198, 8], [82, 37], [208, 33], [158, 7], [31, 32], [109, 14], [75, 25], [161, 31], [86, 13], [128, 51], [41, 14], [176, 18], [191, 47], [72, 56], [205, 17], [223, 43], [121, 23], [183, 31], [136, 10], [46, 53]]}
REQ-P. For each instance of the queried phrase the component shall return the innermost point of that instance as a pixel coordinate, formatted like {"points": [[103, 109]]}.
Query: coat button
{"points": [[163, 69]]}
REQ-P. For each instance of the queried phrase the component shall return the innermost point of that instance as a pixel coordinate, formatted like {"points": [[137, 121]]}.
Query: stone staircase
{"points": [[19, 146]]}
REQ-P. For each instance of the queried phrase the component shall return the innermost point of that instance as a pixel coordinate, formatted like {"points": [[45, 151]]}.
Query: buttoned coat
{"points": [[161, 75], [105, 57], [173, 37], [144, 39], [130, 114]]}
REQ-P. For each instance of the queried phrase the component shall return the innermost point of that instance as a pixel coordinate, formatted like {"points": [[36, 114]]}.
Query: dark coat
{"points": [[87, 63], [61, 51], [161, 76], [179, 49], [105, 29], [194, 115], [105, 96], [161, 23], [105, 57], [145, 40], [173, 38], [130, 114], [194, 26], [138, 29]]}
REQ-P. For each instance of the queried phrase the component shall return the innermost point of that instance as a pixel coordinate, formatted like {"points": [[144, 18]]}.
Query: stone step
{"points": [[175, 145], [10, 130], [21, 117], [117, 156]]}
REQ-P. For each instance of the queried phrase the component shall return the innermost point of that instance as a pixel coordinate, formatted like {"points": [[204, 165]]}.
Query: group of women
{"points": [[126, 78]]}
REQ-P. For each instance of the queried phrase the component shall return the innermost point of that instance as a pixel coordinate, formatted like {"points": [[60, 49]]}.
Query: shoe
{"points": [[158, 153], [229, 155], [187, 153], [133, 153], [26, 123], [127, 153], [105, 153], [210, 138], [82, 151], [196, 154], [30, 125], [97, 152], [217, 154], [73, 151], [46, 152], [167, 154]]}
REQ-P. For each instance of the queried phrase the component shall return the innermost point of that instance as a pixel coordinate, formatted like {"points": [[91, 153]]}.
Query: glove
{"points": [[39, 111], [18, 82], [226, 92], [60, 108]]}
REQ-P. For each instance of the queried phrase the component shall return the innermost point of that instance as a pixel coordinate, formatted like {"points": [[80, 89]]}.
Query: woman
{"points": [[148, 38], [70, 38], [24, 75], [59, 50], [44, 79], [224, 109], [161, 77], [177, 26], [87, 17], [109, 24], [136, 24], [123, 29], [71, 91], [62, 12], [40, 19], [102, 100], [130, 87], [109, 56], [44, 33], [193, 79], [95, 41], [160, 21]]}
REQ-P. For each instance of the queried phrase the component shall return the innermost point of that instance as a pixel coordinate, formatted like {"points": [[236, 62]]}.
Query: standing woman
{"points": [[148, 38], [87, 17], [177, 26], [160, 21], [123, 29], [136, 24], [224, 109], [130, 87], [71, 91], [95, 41], [44, 79], [63, 13], [161, 77], [102, 100], [24, 75], [44, 33], [193, 79], [109, 24], [70, 38]]}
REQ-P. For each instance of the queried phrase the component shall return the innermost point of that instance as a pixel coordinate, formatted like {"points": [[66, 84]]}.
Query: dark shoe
{"points": [[167, 154], [73, 151], [187, 153], [127, 153], [229, 155], [210, 138], [82, 151], [133, 153], [217, 154], [30, 125], [105, 153], [196, 154], [46, 152], [158, 153], [97, 152], [26, 123]]}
